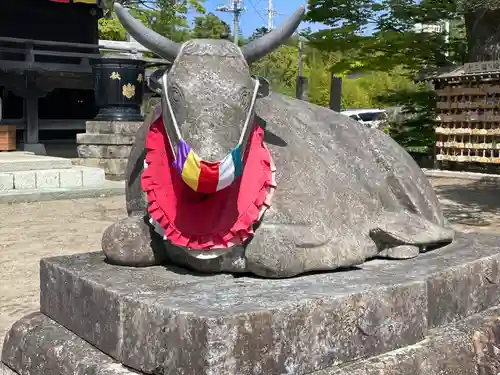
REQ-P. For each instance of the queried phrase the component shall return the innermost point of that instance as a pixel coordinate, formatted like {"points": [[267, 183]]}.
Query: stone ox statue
{"points": [[227, 177]]}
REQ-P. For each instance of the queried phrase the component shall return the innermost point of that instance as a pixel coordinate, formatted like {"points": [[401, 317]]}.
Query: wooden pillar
{"points": [[301, 88], [31, 116], [335, 93], [31, 93]]}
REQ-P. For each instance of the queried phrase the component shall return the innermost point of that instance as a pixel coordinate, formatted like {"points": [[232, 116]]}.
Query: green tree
{"points": [[111, 29], [258, 33], [167, 17], [392, 36], [383, 35], [170, 18], [209, 26], [280, 67]]}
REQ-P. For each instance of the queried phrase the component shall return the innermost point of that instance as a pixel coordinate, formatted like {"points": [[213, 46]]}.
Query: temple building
{"points": [[45, 74]]}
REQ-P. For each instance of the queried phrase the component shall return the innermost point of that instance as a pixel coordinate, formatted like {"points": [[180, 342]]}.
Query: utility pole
{"points": [[302, 85], [270, 15], [235, 7], [300, 55]]}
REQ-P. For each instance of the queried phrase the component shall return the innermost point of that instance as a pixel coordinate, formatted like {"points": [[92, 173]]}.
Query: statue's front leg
{"points": [[132, 242]]}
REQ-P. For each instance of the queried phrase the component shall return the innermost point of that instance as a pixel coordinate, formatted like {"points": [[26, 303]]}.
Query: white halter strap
{"points": [[174, 121]]}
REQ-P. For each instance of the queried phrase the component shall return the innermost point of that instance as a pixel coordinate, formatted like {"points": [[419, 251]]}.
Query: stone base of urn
{"points": [[438, 313], [107, 145]]}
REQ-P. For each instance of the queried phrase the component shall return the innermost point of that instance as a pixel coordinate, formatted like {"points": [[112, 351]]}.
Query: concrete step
{"points": [[73, 177], [19, 161]]}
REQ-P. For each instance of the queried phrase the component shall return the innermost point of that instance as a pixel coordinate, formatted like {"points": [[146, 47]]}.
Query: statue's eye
{"points": [[175, 93]]}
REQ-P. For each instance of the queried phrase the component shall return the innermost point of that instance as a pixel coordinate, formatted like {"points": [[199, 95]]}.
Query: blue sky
{"points": [[255, 15]]}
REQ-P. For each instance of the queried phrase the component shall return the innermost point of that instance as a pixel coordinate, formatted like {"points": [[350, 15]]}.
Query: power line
{"points": [[257, 11]]}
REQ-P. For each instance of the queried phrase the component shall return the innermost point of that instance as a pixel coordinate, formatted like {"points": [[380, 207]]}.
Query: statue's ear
{"points": [[263, 87], [154, 81]]}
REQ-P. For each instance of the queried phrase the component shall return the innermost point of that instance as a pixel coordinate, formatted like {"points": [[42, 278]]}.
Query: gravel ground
{"points": [[31, 231]]}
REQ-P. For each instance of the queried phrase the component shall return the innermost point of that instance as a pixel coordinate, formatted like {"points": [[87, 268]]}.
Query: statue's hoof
{"points": [[128, 243], [400, 252]]}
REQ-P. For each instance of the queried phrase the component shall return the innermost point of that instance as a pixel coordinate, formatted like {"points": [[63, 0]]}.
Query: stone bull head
{"points": [[209, 85]]}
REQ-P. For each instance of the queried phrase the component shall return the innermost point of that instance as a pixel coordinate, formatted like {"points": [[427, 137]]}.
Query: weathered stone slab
{"points": [[106, 287], [37, 345], [113, 127], [468, 347], [104, 151], [175, 323], [457, 292], [104, 139]]}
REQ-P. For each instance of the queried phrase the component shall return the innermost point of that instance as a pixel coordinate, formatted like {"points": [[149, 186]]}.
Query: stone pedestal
{"points": [[107, 145], [435, 314]]}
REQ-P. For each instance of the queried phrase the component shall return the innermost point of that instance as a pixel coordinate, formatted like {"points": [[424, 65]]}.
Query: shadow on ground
{"points": [[472, 203]]}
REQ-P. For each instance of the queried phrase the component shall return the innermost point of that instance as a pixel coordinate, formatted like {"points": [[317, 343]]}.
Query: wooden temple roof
{"points": [[483, 70]]}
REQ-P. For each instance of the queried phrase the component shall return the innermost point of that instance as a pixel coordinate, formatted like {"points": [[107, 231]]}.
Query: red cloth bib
{"points": [[206, 221]]}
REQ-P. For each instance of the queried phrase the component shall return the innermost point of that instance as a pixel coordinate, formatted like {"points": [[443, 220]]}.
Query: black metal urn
{"points": [[119, 87]]}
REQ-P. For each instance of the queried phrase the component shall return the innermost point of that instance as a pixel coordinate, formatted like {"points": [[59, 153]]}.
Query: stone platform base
{"points": [[107, 145], [417, 316], [38, 345]]}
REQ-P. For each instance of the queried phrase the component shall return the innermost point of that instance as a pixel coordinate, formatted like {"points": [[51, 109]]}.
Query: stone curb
{"points": [[110, 188], [461, 175], [71, 178]]}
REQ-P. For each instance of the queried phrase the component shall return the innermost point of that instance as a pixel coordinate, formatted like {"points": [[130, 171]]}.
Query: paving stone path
{"points": [[31, 231]]}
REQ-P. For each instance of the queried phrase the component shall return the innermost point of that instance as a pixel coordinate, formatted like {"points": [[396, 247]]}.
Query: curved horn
{"points": [[258, 48], [147, 37]]}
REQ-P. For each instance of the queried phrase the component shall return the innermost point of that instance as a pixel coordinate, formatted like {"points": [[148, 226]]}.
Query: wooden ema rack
{"points": [[468, 118]]}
